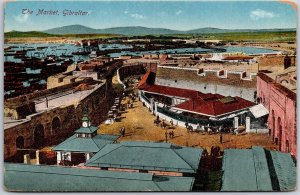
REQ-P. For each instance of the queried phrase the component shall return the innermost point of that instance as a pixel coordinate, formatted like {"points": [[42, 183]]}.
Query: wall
{"points": [[281, 108], [224, 82], [263, 92], [98, 103], [271, 60], [225, 90], [24, 103], [129, 70]]}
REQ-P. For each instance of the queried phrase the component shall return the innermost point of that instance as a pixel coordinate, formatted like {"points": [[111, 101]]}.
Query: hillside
{"points": [[139, 30], [13, 34]]}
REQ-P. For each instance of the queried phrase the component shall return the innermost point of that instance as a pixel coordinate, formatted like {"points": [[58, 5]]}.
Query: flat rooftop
{"points": [[191, 75], [39, 178], [290, 85], [64, 98], [8, 122]]}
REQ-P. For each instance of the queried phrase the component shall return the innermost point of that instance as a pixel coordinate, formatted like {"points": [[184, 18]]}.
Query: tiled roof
{"points": [[172, 91], [285, 170], [148, 156], [38, 178], [79, 144], [90, 129], [147, 80], [257, 169], [198, 102], [245, 170], [214, 107]]}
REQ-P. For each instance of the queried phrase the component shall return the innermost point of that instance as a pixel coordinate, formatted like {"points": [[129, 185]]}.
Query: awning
{"points": [[259, 111]]}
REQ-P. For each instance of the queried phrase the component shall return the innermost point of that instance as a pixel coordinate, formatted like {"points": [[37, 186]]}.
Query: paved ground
{"points": [[139, 125]]}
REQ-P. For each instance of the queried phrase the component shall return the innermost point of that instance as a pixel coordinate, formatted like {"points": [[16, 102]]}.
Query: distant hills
{"points": [[27, 34], [78, 30], [139, 30]]}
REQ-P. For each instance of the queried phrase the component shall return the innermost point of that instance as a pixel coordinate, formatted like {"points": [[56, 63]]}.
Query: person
{"points": [[205, 153], [157, 118], [170, 134], [166, 135], [198, 127], [156, 122], [202, 128], [171, 122], [191, 128], [123, 131], [128, 103], [209, 131], [221, 138], [186, 124]]}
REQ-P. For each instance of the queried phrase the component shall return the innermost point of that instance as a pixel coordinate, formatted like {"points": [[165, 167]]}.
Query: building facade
{"points": [[277, 92]]}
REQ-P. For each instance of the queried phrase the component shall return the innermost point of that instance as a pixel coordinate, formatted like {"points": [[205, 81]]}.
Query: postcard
{"points": [[135, 96]]}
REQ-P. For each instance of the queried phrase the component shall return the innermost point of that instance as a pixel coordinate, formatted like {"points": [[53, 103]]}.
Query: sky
{"points": [[157, 14]]}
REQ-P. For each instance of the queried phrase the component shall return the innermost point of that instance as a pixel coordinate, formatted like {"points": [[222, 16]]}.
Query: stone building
{"points": [[277, 92], [85, 143], [33, 120], [207, 110], [148, 157]]}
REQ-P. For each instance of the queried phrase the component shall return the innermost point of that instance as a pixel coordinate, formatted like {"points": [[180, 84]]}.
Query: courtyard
{"points": [[139, 126]]}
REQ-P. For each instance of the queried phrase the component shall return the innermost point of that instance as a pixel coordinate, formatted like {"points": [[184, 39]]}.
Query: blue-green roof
{"points": [[22, 177], [148, 156], [79, 144], [285, 170], [90, 129], [251, 170]]}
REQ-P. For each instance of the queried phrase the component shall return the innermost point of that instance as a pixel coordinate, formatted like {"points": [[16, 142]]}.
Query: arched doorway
{"points": [[20, 142], [56, 125], [38, 135], [273, 125], [279, 126]]}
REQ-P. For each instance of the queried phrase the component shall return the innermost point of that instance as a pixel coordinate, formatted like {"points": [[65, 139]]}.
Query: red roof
{"points": [[178, 92], [172, 91], [198, 102], [147, 80], [88, 67], [143, 82], [214, 107]]}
